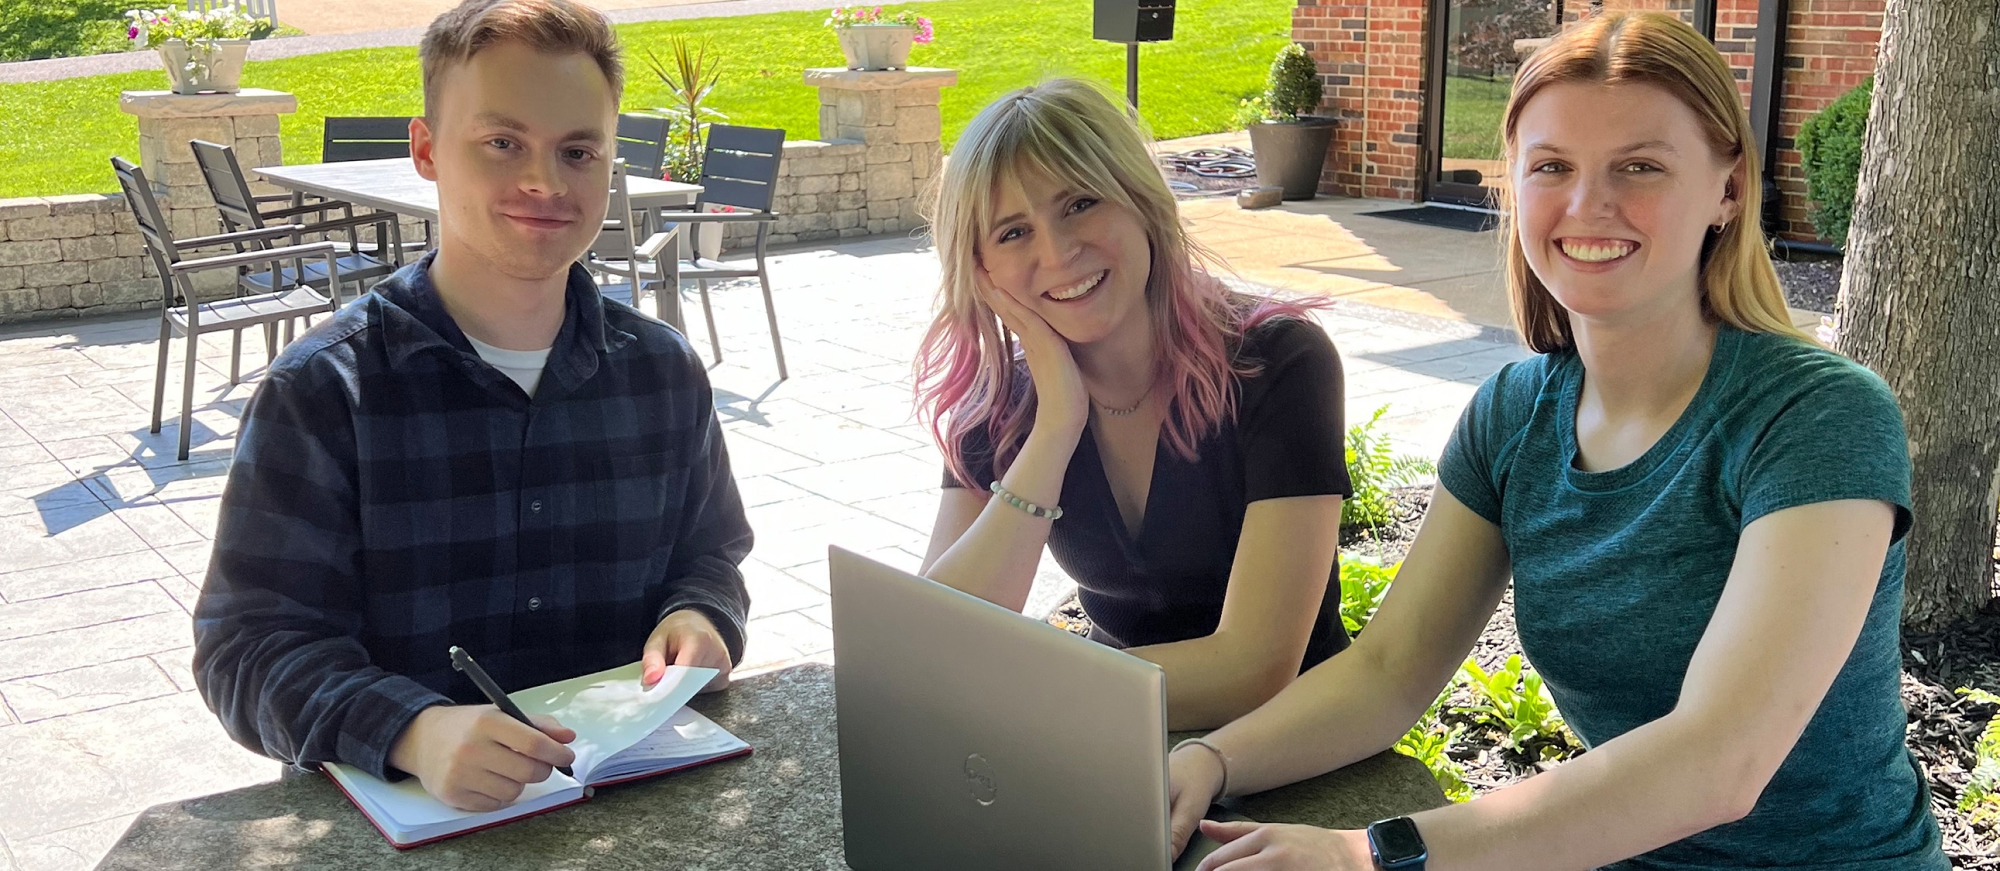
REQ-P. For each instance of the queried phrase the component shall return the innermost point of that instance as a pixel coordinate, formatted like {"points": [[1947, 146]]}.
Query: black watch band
{"points": [[1396, 845]]}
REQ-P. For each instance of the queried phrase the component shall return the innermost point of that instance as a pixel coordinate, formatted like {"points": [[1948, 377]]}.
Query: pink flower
{"points": [[132, 32]]}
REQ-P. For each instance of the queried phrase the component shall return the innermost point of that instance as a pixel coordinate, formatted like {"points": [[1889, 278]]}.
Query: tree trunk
{"points": [[1920, 300]]}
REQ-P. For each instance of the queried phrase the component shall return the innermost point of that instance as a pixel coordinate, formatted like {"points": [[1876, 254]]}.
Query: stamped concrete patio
{"points": [[104, 538]]}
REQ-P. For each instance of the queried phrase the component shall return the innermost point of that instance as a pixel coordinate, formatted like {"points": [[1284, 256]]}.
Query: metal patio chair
{"points": [[180, 310], [739, 169], [626, 265]]}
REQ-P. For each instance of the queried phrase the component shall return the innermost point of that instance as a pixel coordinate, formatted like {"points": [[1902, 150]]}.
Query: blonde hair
{"points": [[550, 26], [1738, 285], [1074, 133]]}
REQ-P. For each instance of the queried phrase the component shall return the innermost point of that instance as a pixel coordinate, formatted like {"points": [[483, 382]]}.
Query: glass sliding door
{"points": [[1475, 47]]}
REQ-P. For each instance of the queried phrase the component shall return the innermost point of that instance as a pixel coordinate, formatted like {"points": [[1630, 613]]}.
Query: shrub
{"points": [[1830, 154], [1294, 87], [1374, 470]]}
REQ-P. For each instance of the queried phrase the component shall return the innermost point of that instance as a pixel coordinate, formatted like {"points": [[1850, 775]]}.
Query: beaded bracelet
{"points": [[1033, 510]]}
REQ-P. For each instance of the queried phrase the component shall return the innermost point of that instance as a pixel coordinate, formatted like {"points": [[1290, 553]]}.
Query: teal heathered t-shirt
{"points": [[1617, 574]]}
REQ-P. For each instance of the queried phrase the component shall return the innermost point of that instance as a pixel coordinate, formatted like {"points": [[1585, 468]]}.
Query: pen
{"points": [[462, 661]]}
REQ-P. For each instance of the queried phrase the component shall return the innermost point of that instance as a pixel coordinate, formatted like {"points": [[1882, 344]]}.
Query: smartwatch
{"points": [[1395, 845]]}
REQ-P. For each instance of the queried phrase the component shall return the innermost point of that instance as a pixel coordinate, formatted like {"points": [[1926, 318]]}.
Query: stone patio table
{"points": [[779, 808]]}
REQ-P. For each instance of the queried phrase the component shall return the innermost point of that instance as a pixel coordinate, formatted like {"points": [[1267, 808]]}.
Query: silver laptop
{"points": [[972, 737]]}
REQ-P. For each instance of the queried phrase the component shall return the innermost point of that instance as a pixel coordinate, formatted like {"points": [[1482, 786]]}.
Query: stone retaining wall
{"points": [[82, 255], [72, 255]]}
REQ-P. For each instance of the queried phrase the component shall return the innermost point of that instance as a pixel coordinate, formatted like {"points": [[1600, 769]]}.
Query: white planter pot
{"points": [[207, 67], [708, 240], [877, 46]]}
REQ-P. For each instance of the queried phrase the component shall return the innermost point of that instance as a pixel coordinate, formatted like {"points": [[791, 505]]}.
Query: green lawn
{"points": [[68, 28], [1472, 112], [57, 137], [62, 28]]}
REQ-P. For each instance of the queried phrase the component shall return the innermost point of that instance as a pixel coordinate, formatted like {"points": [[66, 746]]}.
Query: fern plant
{"points": [[1430, 742], [1375, 470], [1981, 798]]}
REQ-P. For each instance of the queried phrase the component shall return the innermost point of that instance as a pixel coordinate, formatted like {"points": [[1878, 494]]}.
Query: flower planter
{"points": [[1290, 154], [877, 46], [207, 67]]}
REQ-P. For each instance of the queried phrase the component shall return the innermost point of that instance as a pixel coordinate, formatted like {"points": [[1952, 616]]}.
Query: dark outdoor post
{"points": [[1132, 22]]}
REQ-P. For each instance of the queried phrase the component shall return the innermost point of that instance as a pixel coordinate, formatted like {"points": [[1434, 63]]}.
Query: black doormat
{"points": [[1456, 219]]}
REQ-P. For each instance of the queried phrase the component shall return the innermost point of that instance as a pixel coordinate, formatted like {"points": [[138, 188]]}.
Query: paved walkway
{"points": [[104, 537], [389, 23]]}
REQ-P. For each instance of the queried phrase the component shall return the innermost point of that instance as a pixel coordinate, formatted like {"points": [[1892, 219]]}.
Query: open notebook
{"points": [[622, 733]]}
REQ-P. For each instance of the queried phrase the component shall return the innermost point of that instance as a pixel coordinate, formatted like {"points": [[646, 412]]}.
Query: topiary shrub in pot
{"points": [[1289, 141], [1830, 154]]}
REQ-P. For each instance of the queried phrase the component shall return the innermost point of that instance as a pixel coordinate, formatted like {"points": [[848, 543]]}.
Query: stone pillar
{"points": [[893, 114], [168, 121]]}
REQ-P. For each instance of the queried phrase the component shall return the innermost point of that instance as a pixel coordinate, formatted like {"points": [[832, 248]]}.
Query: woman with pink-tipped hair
{"points": [[1176, 445]]}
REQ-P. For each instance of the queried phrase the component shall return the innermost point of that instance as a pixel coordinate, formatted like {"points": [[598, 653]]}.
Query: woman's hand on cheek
{"points": [[1060, 397]]}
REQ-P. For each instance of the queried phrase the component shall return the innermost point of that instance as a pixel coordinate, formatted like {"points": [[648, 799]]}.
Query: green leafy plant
{"points": [[863, 16], [1830, 145], [156, 27], [1430, 742], [1294, 88], [690, 79], [1251, 110], [1981, 798], [1364, 582], [1513, 700], [1375, 470]]}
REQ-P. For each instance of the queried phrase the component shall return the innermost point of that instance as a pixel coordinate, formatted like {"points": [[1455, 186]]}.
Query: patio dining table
{"points": [[393, 185], [778, 808]]}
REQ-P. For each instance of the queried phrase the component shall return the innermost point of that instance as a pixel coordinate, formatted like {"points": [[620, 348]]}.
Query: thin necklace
{"points": [[1122, 412]]}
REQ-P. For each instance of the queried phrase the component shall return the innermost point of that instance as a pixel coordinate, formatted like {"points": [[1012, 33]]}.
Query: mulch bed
{"points": [[1943, 729], [1810, 283]]}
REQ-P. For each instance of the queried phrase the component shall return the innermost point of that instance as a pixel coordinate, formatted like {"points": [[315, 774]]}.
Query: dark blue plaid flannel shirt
{"points": [[393, 495]]}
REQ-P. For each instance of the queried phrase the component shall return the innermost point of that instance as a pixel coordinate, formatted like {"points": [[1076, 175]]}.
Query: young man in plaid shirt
{"points": [[481, 452]]}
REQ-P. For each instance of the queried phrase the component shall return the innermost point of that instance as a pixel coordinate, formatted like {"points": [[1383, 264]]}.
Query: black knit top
{"points": [[1168, 584]]}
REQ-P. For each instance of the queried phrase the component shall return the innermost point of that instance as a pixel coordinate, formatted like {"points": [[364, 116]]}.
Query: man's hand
{"points": [[475, 758], [685, 637], [1268, 847]]}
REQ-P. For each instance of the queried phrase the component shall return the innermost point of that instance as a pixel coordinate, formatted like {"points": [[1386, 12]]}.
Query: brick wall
{"points": [[1370, 55], [1830, 47]]}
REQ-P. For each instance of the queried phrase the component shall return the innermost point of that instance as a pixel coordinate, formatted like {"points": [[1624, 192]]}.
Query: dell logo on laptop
{"points": [[979, 776]]}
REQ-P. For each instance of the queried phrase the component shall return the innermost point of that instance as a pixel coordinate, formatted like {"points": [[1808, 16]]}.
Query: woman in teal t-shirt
{"points": [[1701, 511]]}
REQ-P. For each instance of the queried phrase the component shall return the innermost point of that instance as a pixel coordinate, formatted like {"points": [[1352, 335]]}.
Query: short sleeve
{"points": [[1472, 468], [1291, 420], [975, 449], [1839, 435]]}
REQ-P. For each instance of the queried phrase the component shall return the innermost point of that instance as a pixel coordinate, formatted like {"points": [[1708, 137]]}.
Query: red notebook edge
{"points": [[589, 789]]}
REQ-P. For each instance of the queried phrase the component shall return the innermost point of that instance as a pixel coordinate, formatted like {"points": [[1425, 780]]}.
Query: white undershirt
{"points": [[525, 367]]}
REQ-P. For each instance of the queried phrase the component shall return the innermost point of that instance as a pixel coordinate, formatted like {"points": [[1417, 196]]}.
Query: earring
{"points": [[1718, 228]]}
